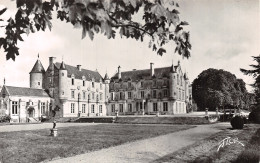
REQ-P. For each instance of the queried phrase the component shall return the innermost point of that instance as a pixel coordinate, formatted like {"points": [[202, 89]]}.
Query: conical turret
{"points": [[37, 75]]}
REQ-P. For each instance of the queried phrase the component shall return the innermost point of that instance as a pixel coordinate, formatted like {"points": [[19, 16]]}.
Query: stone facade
{"points": [[25, 104], [70, 91], [162, 90], [76, 91]]}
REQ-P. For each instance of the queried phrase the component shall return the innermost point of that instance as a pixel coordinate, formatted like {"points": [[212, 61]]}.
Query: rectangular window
{"points": [[100, 108], [93, 85], [130, 107], [154, 93], [101, 86], [84, 95], [121, 95], [113, 108], [155, 107], [129, 95], [83, 108], [165, 93], [121, 108], [141, 105], [142, 94], [154, 83], [165, 106], [72, 81], [92, 108], [165, 82], [83, 83], [129, 84], [14, 107], [100, 96], [93, 96], [43, 107], [72, 108], [72, 94], [112, 96]]}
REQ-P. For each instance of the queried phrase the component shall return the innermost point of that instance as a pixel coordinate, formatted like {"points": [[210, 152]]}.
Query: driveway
{"points": [[149, 149]]}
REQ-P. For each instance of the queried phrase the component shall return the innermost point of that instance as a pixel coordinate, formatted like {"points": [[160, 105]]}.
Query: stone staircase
{"points": [[33, 120]]}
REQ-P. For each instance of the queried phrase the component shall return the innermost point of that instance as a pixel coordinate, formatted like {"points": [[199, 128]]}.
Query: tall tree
{"points": [[160, 21], [255, 72], [214, 88]]}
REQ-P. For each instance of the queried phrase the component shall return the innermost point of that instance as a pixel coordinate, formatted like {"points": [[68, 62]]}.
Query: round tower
{"points": [[63, 84], [172, 84], [107, 82], [187, 84], [37, 75]]}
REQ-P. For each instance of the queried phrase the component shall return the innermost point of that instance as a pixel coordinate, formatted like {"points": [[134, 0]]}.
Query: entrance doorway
{"points": [[31, 112]]}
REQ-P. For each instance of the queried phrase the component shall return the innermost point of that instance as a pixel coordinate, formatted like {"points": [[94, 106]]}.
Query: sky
{"points": [[224, 35]]}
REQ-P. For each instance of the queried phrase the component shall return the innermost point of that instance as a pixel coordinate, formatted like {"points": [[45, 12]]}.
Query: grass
{"points": [[37, 145], [206, 150], [251, 154]]}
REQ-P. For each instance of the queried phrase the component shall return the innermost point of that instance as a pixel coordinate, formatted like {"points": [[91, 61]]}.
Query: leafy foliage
{"points": [[254, 116], [255, 72], [160, 21], [214, 88]]}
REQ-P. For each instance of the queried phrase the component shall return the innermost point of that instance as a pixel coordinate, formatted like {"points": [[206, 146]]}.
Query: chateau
{"points": [[71, 91], [165, 90]]}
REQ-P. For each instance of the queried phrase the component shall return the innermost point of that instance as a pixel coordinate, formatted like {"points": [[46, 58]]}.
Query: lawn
{"points": [[206, 150], [37, 145]]}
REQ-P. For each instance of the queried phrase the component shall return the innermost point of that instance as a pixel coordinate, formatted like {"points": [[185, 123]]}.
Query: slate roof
{"points": [[22, 91], [78, 74], [143, 74], [37, 68], [106, 77]]}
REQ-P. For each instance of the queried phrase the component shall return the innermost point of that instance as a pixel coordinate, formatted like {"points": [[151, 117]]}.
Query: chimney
{"points": [[119, 72], [51, 60], [152, 69], [79, 67]]}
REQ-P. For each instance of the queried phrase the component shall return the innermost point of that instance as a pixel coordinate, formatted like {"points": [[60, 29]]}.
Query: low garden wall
{"points": [[162, 120]]}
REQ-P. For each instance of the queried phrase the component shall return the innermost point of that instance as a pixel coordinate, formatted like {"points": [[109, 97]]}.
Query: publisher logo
{"points": [[228, 141]]}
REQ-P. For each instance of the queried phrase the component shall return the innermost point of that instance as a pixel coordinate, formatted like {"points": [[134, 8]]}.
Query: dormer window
{"points": [[72, 81], [93, 85], [142, 84], [178, 79], [129, 84], [83, 83]]}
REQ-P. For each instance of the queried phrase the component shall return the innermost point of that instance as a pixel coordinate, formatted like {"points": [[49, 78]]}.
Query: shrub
{"points": [[254, 116], [5, 118], [237, 122]]}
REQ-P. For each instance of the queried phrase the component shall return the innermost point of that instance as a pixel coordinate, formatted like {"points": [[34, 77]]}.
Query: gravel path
{"points": [[39, 126], [149, 149]]}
